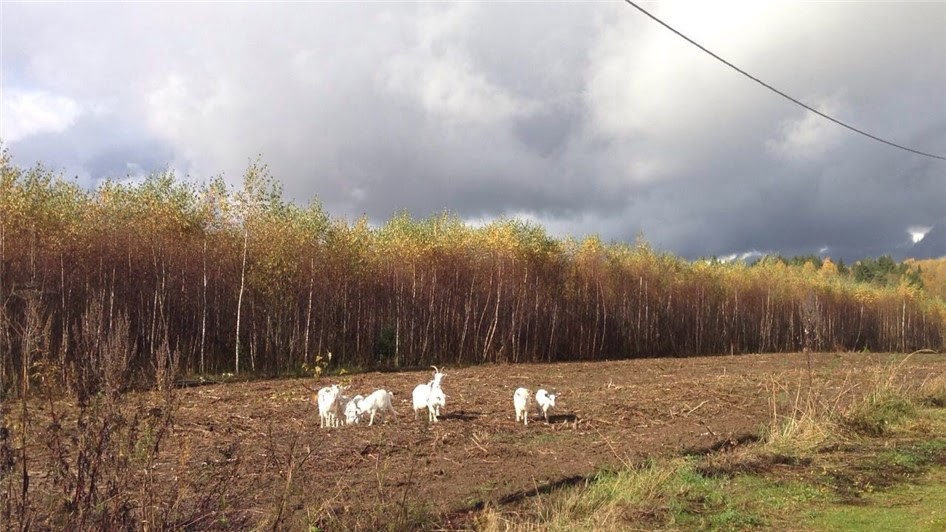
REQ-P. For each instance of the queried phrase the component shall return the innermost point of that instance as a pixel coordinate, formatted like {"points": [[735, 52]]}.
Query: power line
{"points": [[780, 93]]}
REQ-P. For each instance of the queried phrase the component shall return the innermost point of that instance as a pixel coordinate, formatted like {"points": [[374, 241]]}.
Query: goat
{"points": [[328, 407], [545, 402], [351, 410], [376, 402], [423, 393], [435, 400], [520, 400]]}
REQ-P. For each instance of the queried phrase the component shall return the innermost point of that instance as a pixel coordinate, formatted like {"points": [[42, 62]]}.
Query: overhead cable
{"points": [[780, 93]]}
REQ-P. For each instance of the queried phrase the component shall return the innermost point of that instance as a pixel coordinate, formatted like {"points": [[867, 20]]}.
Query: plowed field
{"points": [[608, 414]]}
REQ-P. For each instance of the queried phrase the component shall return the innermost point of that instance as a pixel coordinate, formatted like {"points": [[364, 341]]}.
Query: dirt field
{"points": [[607, 413]]}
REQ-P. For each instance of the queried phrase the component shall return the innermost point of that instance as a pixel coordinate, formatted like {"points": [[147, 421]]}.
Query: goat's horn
{"points": [[435, 369]]}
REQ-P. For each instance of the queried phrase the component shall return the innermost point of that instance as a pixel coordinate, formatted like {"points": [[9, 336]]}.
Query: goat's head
{"points": [[438, 375]]}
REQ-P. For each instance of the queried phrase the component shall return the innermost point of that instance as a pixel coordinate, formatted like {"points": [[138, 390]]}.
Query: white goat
{"points": [[545, 401], [520, 400], [378, 401], [328, 406], [435, 400], [424, 394], [351, 410]]}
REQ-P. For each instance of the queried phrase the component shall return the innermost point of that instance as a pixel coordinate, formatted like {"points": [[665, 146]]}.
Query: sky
{"points": [[584, 117]]}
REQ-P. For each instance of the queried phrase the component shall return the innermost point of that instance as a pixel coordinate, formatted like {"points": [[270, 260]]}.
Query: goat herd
{"points": [[335, 407]]}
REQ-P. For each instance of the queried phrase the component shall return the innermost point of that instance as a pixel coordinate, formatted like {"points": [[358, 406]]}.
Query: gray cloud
{"points": [[587, 118], [97, 147]]}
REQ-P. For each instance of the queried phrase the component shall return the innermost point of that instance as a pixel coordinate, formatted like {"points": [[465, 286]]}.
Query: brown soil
{"points": [[608, 414]]}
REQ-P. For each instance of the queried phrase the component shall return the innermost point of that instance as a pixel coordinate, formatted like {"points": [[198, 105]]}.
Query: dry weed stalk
{"points": [[288, 468], [865, 401], [96, 461]]}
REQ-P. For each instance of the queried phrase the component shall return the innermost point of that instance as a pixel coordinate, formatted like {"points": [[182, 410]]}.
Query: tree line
{"points": [[237, 279]]}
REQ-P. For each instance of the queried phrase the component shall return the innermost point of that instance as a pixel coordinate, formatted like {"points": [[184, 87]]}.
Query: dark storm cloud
{"points": [[587, 118], [546, 133]]}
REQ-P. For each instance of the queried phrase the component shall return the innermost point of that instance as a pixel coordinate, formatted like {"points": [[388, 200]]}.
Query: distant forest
{"points": [[240, 280]]}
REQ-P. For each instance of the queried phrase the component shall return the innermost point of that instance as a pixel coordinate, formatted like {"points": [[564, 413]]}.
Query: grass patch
{"points": [[910, 506], [480, 493], [712, 502], [878, 413], [932, 392], [663, 493], [867, 457], [911, 458], [541, 439], [867, 487], [394, 516]]}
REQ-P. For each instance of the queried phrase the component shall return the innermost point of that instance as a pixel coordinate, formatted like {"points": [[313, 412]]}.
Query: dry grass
{"points": [[635, 498], [864, 402], [89, 455], [932, 391], [805, 420]]}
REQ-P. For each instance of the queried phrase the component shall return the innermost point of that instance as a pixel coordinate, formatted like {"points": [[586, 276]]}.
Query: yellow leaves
{"points": [[829, 269], [40, 204], [591, 247], [500, 236], [808, 269], [933, 273]]}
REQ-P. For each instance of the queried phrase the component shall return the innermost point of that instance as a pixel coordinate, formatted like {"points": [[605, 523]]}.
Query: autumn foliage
{"points": [[933, 274], [241, 280]]}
